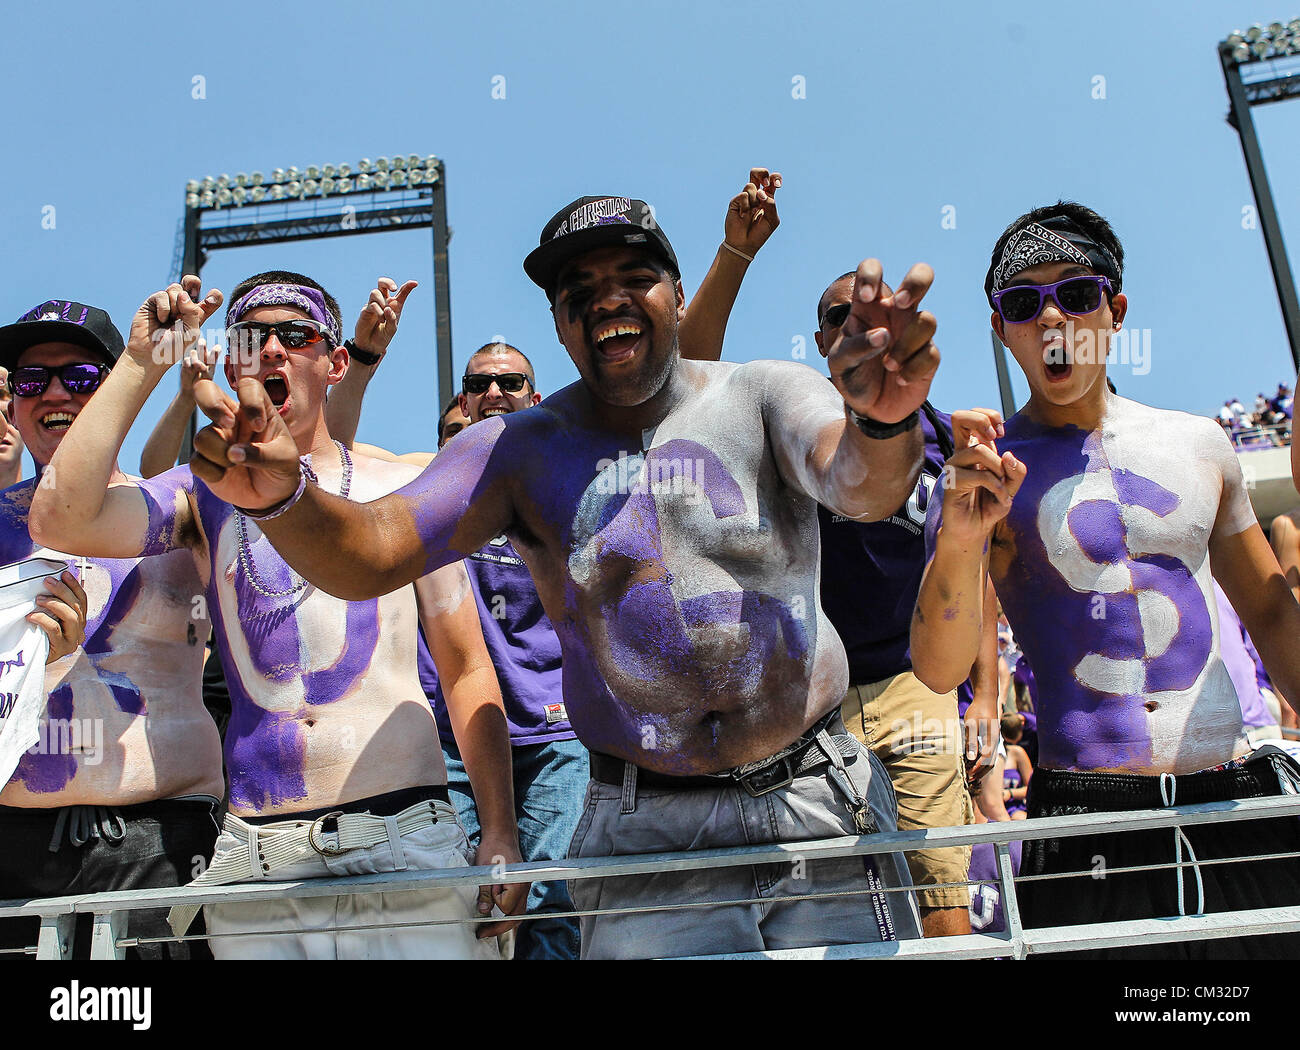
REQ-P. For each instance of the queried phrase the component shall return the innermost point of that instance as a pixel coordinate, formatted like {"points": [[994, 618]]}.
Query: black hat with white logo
{"points": [[595, 222], [61, 321]]}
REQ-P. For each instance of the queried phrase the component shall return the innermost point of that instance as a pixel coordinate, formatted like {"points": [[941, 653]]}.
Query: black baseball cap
{"points": [[61, 321], [595, 222]]}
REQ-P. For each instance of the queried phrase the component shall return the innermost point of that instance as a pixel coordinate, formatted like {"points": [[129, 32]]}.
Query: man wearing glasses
{"points": [[1100, 521], [549, 764], [331, 749], [123, 788], [667, 510]]}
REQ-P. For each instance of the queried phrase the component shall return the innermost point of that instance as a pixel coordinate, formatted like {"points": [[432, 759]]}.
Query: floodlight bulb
{"points": [[241, 179], [399, 178], [313, 172], [1259, 48], [431, 162], [256, 178], [381, 164], [1254, 33], [345, 170], [326, 186], [259, 194], [412, 161], [311, 187], [223, 181], [363, 181], [277, 192], [1234, 39], [277, 175], [192, 186], [206, 199], [223, 196], [208, 183], [1241, 53], [381, 180], [329, 171], [363, 164], [239, 193], [1274, 28], [294, 188], [191, 200], [416, 177]]}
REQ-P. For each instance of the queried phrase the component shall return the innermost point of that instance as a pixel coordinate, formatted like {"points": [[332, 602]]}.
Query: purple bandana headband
{"points": [[307, 299], [1056, 239]]}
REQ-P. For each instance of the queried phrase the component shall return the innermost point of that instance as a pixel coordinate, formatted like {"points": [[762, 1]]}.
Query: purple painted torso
{"points": [[1241, 668], [1102, 567], [293, 653], [135, 680], [681, 581]]}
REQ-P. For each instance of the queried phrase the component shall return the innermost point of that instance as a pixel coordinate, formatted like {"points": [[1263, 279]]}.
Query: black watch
{"points": [[364, 356], [881, 431]]}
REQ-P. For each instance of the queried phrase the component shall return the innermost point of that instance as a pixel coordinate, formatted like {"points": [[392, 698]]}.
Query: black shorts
{"points": [[1104, 895], [102, 848]]}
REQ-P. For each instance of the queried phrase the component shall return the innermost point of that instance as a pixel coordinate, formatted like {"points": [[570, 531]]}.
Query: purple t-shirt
{"points": [[522, 644], [871, 573], [986, 912]]}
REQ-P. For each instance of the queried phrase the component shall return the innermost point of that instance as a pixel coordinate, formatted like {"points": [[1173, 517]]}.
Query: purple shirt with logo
{"points": [[986, 912], [522, 644], [871, 573]]}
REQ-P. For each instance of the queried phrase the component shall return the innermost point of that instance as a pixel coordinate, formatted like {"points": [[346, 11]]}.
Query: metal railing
{"points": [[111, 910], [1271, 435]]}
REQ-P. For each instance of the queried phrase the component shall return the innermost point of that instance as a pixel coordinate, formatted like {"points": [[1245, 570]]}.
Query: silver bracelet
{"points": [[273, 511]]}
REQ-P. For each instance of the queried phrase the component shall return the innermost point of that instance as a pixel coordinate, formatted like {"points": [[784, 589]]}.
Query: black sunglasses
{"points": [[34, 380], [293, 335], [836, 315], [509, 382]]}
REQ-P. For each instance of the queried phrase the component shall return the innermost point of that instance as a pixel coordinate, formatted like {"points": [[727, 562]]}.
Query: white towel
{"points": [[24, 648]]}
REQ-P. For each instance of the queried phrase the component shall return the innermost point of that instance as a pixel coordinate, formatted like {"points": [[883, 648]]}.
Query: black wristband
{"points": [[364, 356], [881, 431]]}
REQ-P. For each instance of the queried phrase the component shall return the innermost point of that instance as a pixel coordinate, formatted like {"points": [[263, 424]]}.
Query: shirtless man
{"points": [[131, 799], [1100, 521], [327, 712], [667, 511]]}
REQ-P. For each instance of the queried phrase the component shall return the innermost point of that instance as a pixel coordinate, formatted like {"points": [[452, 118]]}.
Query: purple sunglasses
{"points": [[1074, 295]]}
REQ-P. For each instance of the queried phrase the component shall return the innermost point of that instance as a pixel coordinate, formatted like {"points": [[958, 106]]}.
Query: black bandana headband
{"points": [[1054, 240]]}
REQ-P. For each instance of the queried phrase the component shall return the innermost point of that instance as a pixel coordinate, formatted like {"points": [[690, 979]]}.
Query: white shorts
{"points": [[322, 927]]}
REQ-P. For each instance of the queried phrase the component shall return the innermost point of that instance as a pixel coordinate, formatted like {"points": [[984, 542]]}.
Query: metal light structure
{"points": [[329, 201], [1262, 65]]}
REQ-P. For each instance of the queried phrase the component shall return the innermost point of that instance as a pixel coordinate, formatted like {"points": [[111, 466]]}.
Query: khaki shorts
{"points": [[917, 736]]}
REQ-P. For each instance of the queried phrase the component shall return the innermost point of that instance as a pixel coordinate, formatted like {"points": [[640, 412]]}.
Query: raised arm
{"points": [[374, 331], [882, 364], [449, 615], [164, 445], [354, 551], [978, 486], [751, 219], [78, 508]]}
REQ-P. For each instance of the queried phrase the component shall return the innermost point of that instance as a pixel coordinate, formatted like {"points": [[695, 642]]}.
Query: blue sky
{"points": [[986, 110]]}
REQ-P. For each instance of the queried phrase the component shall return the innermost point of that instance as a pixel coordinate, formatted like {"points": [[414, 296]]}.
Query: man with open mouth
{"points": [[667, 512], [1100, 521], [331, 749], [140, 808]]}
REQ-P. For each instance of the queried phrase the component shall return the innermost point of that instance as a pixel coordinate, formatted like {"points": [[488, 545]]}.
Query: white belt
{"points": [[263, 849]]}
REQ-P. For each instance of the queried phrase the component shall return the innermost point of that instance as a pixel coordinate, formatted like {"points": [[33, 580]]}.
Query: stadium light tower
{"points": [[402, 193], [1262, 65]]}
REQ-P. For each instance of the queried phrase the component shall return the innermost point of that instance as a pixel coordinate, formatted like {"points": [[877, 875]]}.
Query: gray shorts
{"points": [[662, 821]]}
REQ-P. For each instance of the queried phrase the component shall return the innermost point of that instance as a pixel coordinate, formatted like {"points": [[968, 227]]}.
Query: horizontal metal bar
{"points": [[1125, 934], [736, 856], [965, 946]]}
